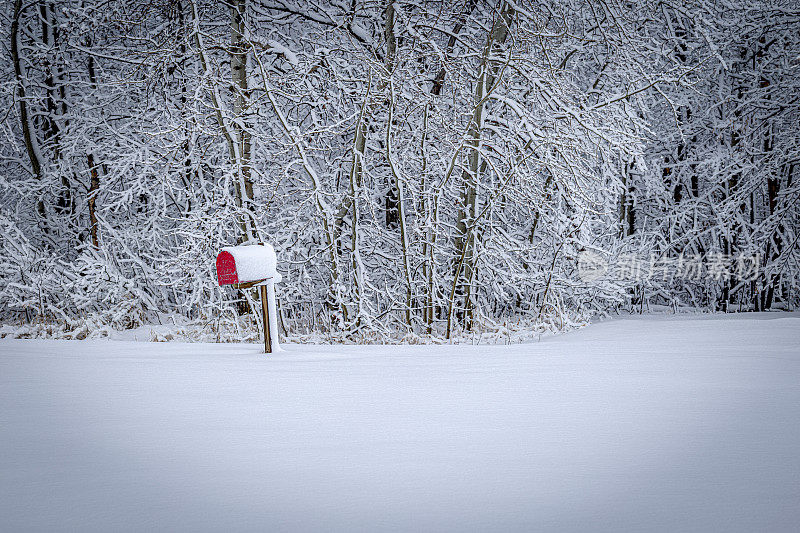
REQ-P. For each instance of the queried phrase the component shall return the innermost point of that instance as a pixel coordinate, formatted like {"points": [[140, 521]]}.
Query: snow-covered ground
{"points": [[648, 424]]}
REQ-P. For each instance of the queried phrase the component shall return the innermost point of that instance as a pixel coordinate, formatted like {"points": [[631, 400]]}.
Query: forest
{"points": [[425, 170]]}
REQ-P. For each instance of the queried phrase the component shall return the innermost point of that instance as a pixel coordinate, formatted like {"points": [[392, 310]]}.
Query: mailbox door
{"points": [[226, 269]]}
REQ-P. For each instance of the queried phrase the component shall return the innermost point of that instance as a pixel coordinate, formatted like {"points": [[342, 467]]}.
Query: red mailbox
{"points": [[250, 266]]}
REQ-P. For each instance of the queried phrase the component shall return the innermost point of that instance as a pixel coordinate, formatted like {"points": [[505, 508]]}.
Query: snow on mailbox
{"points": [[254, 265], [247, 264]]}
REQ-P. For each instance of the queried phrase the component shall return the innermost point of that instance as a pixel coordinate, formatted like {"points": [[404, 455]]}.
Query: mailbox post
{"points": [[265, 319], [249, 266]]}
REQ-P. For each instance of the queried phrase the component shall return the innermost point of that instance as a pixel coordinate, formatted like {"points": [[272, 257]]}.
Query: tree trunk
{"points": [[393, 191], [52, 131], [465, 230], [241, 133], [356, 182], [28, 132], [438, 82], [94, 183], [627, 215]]}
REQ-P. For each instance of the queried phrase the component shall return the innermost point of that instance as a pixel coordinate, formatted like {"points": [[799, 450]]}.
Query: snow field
{"points": [[647, 424]]}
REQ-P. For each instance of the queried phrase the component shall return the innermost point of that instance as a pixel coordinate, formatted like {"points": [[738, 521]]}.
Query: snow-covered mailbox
{"points": [[254, 265]]}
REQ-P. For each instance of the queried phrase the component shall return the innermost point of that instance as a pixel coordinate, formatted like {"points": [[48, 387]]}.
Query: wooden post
{"points": [[265, 318]]}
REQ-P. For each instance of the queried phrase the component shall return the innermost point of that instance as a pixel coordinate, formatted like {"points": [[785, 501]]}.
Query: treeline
{"points": [[421, 167]]}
